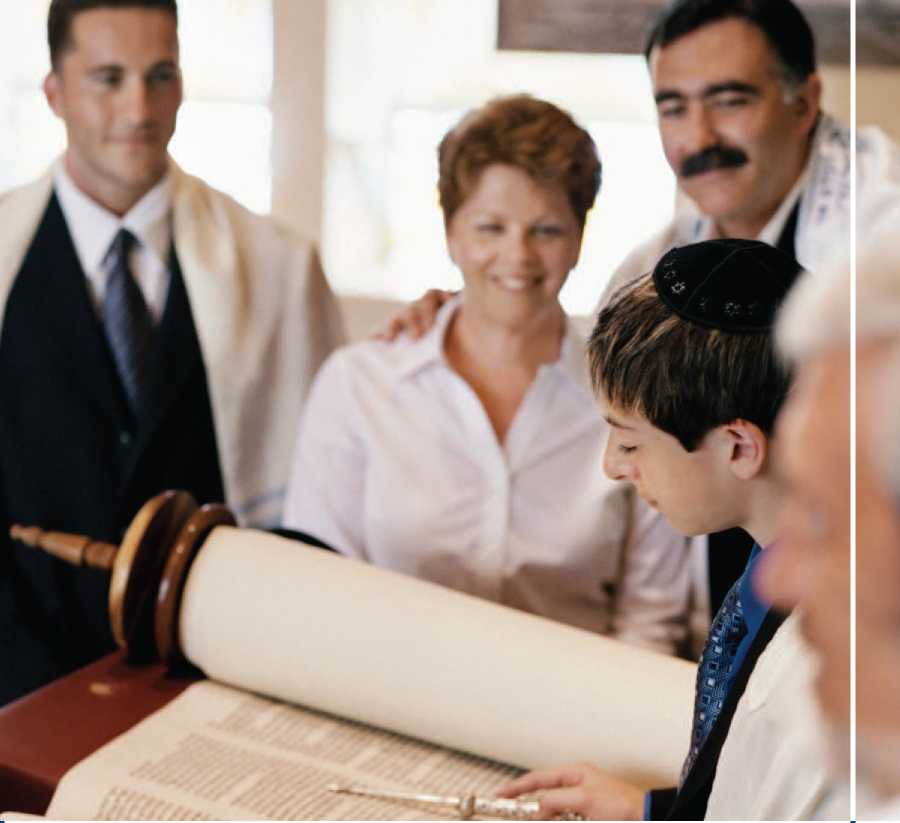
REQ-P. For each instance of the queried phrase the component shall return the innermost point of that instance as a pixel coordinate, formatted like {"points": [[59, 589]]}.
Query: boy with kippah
{"points": [[683, 365]]}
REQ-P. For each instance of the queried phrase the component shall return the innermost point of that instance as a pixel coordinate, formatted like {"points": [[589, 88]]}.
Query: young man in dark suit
{"points": [[153, 333]]}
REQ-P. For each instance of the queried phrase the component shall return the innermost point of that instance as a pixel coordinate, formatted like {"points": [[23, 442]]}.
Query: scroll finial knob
{"points": [[72, 548], [135, 566]]}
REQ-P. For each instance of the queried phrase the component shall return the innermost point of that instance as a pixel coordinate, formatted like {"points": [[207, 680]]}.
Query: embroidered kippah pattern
{"points": [[732, 285]]}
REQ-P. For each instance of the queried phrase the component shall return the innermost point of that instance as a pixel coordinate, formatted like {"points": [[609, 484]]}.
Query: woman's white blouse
{"points": [[396, 463]]}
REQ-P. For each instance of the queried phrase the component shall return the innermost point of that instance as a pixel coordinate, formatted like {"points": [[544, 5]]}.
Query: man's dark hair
{"points": [[684, 378], [783, 24], [62, 12]]}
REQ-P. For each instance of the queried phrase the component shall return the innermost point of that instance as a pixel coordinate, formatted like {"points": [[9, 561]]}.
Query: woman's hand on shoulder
{"points": [[417, 318]]}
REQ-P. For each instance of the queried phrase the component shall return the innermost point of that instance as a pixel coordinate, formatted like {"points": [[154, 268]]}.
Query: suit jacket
{"points": [[233, 351], [73, 457], [264, 315], [689, 803]]}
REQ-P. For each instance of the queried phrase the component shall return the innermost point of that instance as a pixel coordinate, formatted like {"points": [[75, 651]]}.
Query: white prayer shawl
{"points": [[265, 318]]}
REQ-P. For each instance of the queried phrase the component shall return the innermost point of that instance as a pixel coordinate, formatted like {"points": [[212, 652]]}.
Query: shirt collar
{"points": [[772, 230], [755, 609], [93, 227], [429, 349]]}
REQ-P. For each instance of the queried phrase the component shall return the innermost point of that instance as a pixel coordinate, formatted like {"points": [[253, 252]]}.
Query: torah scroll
{"points": [[271, 616]]}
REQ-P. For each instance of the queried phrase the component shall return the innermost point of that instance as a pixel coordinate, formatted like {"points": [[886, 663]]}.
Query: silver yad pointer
{"points": [[466, 806]]}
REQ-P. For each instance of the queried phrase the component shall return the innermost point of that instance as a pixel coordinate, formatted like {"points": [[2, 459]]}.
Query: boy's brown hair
{"points": [[685, 377]]}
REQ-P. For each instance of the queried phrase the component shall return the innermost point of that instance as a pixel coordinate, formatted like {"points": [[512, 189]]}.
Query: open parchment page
{"points": [[219, 753], [313, 629]]}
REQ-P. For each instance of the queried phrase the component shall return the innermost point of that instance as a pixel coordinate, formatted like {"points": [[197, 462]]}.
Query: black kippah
{"points": [[732, 285]]}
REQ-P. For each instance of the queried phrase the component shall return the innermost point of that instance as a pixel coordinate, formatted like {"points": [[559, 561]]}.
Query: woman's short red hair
{"points": [[525, 132]]}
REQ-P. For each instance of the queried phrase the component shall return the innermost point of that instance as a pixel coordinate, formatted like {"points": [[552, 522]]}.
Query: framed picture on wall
{"points": [[619, 27]]}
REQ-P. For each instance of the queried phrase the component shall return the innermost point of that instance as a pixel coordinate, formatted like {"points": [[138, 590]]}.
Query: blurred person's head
{"points": [[684, 367], [737, 98], [878, 511], [878, 563], [517, 178], [810, 567], [115, 81]]}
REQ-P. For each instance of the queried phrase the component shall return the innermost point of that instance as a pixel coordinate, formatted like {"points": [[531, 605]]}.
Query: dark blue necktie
{"points": [[715, 670], [126, 319]]}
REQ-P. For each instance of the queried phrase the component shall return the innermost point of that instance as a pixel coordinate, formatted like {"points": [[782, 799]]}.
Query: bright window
{"points": [[400, 73]]}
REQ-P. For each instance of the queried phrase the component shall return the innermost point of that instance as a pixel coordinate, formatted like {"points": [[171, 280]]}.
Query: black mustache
{"points": [[713, 157]]}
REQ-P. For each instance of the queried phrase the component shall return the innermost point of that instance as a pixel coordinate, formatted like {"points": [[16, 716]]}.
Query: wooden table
{"points": [[45, 733]]}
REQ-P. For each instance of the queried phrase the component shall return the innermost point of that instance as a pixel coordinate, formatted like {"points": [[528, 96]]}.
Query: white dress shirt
{"points": [[93, 230], [397, 463]]}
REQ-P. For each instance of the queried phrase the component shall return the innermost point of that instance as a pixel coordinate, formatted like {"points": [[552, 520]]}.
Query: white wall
{"points": [[878, 98]]}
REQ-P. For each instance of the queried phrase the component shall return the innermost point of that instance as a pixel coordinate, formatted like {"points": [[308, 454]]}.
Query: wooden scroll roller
{"points": [[148, 569], [260, 613]]}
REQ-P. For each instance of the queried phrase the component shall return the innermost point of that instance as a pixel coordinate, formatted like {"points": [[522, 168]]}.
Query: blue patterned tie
{"points": [[126, 318], [715, 670]]}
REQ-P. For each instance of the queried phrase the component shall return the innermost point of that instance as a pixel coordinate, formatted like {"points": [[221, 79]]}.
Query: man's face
{"points": [[877, 576], [689, 488], [734, 139], [118, 89], [810, 566]]}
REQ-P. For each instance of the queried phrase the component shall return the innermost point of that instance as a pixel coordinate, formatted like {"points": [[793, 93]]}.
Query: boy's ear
{"points": [[748, 448]]}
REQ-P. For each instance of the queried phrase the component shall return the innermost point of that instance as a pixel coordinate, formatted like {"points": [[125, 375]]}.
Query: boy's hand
{"points": [[417, 318], [582, 789]]}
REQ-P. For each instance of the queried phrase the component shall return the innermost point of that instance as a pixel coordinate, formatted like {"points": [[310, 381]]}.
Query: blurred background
{"points": [[327, 113]]}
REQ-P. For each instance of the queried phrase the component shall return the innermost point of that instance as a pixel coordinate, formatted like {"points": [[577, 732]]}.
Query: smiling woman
{"points": [[472, 456], [515, 241], [516, 181]]}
